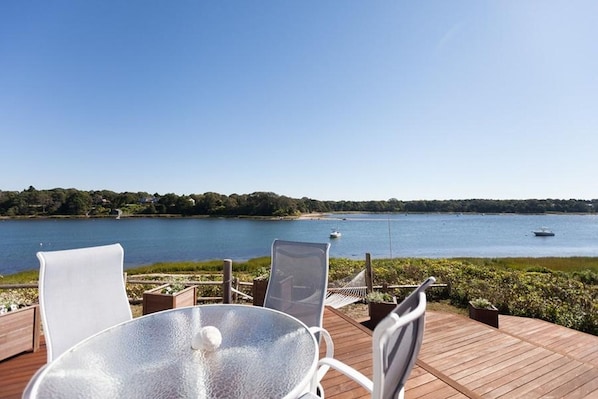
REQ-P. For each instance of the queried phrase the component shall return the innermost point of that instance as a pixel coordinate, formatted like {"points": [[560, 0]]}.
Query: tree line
{"points": [[73, 202]]}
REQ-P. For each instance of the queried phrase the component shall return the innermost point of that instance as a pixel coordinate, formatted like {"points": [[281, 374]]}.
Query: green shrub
{"points": [[379, 296], [559, 290], [481, 303], [566, 298]]}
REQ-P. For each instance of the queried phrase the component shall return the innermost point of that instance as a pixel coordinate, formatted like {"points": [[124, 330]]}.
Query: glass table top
{"points": [[263, 353]]}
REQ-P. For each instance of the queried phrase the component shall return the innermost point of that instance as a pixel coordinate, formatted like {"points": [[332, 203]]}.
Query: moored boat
{"points": [[335, 234], [543, 232]]}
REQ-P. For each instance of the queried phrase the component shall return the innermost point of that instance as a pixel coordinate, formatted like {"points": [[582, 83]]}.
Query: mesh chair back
{"points": [[81, 292], [397, 341], [298, 280]]}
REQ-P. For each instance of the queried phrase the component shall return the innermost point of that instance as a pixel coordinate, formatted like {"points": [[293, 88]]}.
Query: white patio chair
{"points": [[81, 292], [298, 286], [298, 280], [396, 342]]}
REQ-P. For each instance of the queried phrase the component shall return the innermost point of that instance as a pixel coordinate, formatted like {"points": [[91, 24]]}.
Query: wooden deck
{"points": [[460, 358], [524, 358]]}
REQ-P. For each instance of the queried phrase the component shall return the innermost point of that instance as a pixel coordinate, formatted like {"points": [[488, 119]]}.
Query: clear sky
{"points": [[332, 100]]}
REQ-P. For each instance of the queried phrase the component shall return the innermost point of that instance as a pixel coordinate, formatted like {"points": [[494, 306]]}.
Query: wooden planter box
{"points": [[155, 301], [486, 316], [258, 291], [378, 311], [19, 331]]}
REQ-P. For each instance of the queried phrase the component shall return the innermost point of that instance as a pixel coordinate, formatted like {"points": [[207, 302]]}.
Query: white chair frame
{"points": [[81, 292]]}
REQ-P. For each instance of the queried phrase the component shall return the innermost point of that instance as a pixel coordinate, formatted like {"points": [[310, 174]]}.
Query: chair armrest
{"points": [[348, 371], [329, 349]]}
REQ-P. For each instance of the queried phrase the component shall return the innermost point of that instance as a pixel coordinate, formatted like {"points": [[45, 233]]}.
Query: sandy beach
{"points": [[312, 216]]}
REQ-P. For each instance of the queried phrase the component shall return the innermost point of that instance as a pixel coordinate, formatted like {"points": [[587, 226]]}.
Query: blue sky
{"points": [[332, 100]]}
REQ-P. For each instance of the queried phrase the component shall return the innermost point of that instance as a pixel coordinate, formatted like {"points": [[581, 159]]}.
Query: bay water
{"points": [[150, 240]]}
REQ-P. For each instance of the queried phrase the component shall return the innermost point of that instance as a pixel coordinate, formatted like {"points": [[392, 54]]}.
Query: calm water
{"points": [[152, 240]]}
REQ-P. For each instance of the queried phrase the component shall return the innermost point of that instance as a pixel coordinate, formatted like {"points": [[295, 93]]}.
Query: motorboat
{"points": [[543, 232], [335, 234]]}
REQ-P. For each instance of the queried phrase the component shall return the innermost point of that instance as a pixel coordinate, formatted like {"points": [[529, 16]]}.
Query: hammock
{"points": [[352, 292]]}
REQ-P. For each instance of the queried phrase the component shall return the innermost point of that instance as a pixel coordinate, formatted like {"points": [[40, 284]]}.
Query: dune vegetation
{"points": [[559, 290]]}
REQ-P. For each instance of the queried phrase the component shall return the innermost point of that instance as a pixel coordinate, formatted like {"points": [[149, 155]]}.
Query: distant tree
{"points": [[77, 203], [125, 198], [170, 202], [74, 202], [150, 209]]}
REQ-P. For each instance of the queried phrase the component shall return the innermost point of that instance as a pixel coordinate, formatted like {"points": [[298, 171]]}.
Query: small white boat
{"points": [[335, 234], [543, 232]]}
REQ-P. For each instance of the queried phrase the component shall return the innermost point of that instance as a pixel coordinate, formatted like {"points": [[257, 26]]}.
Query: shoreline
{"points": [[312, 216], [303, 216]]}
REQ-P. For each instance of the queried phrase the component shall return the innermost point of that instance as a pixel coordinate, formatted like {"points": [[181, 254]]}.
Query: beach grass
{"points": [[339, 266], [559, 290], [565, 264]]}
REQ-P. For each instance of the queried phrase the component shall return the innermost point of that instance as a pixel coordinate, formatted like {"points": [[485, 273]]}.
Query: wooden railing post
{"points": [[227, 281], [236, 284], [385, 287], [369, 275]]}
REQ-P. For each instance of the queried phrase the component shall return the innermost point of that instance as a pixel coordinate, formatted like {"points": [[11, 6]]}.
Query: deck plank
{"points": [[16, 371]]}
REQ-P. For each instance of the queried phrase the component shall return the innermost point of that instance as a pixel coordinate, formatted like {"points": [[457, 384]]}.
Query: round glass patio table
{"points": [[264, 353]]}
